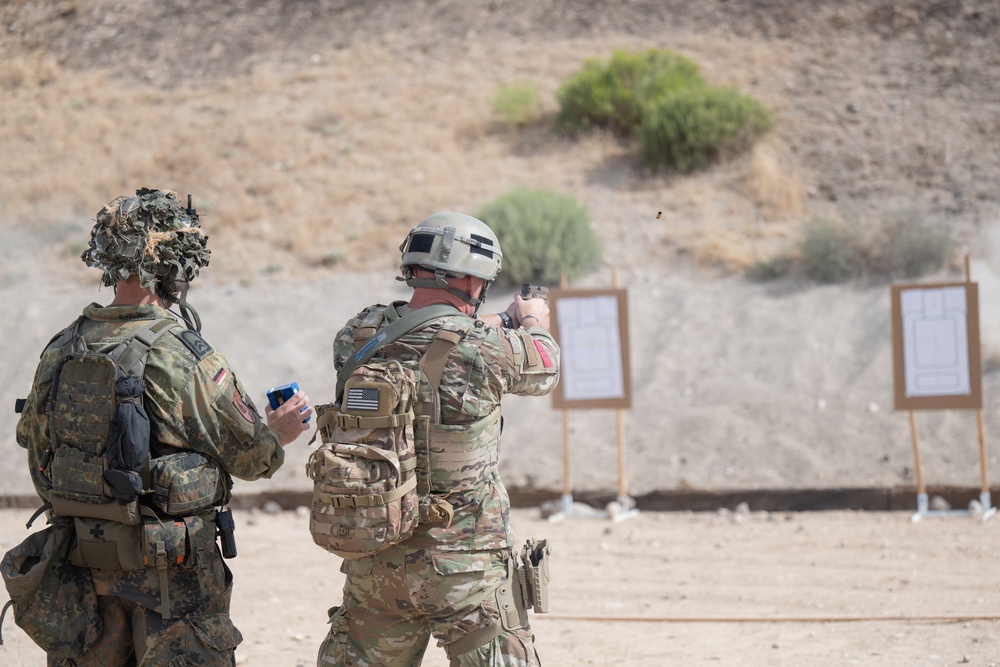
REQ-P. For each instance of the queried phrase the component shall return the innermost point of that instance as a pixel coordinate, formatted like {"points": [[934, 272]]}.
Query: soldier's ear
{"points": [[473, 285]]}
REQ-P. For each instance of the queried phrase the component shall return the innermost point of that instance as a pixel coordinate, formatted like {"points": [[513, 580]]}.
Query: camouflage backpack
{"points": [[98, 462], [100, 432], [365, 496]]}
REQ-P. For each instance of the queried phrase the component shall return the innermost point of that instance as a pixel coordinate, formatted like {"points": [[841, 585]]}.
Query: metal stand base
{"points": [[572, 510], [621, 509], [981, 509]]}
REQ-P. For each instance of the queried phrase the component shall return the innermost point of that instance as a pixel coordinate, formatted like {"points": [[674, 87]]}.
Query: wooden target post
{"points": [[591, 327], [936, 366]]}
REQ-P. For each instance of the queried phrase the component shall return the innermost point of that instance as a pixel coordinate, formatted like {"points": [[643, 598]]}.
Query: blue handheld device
{"points": [[278, 395]]}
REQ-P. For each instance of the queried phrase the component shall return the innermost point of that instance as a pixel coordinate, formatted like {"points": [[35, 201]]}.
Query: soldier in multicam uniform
{"points": [[149, 247], [450, 578]]}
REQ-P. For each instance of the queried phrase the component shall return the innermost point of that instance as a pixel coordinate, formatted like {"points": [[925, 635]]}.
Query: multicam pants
{"points": [[394, 602], [198, 632]]}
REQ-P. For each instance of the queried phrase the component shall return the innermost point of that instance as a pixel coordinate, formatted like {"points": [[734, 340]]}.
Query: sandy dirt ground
{"points": [[825, 589], [296, 109]]}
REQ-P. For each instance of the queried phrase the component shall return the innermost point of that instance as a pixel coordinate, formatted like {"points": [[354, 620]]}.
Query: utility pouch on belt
{"points": [[107, 545], [185, 483], [55, 602], [163, 543]]}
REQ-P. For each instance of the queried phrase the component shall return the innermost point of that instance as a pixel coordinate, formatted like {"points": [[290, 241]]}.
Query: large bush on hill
{"points": [[542, 234], [660, 98], [614, 95], [695, 127]]}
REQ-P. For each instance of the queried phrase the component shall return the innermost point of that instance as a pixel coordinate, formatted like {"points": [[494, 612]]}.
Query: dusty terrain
{"points": [[314, 134], [756, 590]]}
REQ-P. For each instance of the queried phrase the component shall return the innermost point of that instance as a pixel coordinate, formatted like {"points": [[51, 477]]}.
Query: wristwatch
{"points": [[508, 321]]}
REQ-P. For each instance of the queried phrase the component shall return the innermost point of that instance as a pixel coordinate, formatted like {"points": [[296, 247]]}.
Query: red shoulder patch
{"points": [[546, 360], [242, 407]]}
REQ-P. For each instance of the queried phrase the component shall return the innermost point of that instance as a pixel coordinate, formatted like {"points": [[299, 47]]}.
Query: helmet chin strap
{"points": [[439, 282], [187, 312]]}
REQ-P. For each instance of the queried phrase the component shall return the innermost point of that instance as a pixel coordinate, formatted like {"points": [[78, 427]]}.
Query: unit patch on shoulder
{"points": [[194, 342], [242, 407]]}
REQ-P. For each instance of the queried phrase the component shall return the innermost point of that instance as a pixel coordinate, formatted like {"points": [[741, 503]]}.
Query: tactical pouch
{"points": [[163, 543], [55, 602], [78, 488], [185, 483], [107, 545], [79, 475]]}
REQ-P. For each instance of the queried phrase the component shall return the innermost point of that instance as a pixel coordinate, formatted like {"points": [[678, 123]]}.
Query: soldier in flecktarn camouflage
{"points": [[135, 427], [457, 576]]}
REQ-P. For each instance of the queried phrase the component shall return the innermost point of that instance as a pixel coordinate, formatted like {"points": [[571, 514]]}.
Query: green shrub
{"points": [[765, 270], [517, 103], [614, 95], [542, 234], [913, 247], [831, 252], [695, 127], [900, 245]]}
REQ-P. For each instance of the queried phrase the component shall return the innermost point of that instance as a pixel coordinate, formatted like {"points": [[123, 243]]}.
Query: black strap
{"points": [[2, 614], [394, 330], [47, 506]]}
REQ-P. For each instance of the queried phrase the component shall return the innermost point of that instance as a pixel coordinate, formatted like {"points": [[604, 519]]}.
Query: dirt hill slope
{"points": [[313, 134]]}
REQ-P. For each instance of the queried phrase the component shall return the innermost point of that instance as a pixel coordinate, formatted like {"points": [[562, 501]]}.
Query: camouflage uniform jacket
{"points": [[193, 400], [484, 366]]}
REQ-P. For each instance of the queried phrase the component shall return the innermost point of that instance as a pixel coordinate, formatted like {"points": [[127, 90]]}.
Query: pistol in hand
{"points": [[529, 291]]}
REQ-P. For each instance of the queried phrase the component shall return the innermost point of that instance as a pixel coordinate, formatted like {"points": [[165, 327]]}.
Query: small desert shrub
{"points": [[695, 127], [902, 245], [542, 234], [912, 247], [614, 95], [517, 103], [770, 269], [830, 250]]}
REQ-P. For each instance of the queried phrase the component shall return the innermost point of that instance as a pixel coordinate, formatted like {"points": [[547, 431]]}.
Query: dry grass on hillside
{"points": [[328, 162]]}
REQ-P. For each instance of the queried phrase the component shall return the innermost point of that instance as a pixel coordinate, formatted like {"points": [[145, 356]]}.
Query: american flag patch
{"points": [[362, 398], [220, 377]]}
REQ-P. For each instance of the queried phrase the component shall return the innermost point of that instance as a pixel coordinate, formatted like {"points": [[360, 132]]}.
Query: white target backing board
{"points": [[936, 359], [591, 327]]}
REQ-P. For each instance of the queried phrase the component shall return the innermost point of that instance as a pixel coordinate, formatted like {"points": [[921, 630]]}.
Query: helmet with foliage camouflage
{"points": [[149, 235]]}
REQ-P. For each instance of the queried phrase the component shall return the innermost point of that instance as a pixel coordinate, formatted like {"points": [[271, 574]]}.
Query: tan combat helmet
{"points": [[152, 236], [451, 244]]}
